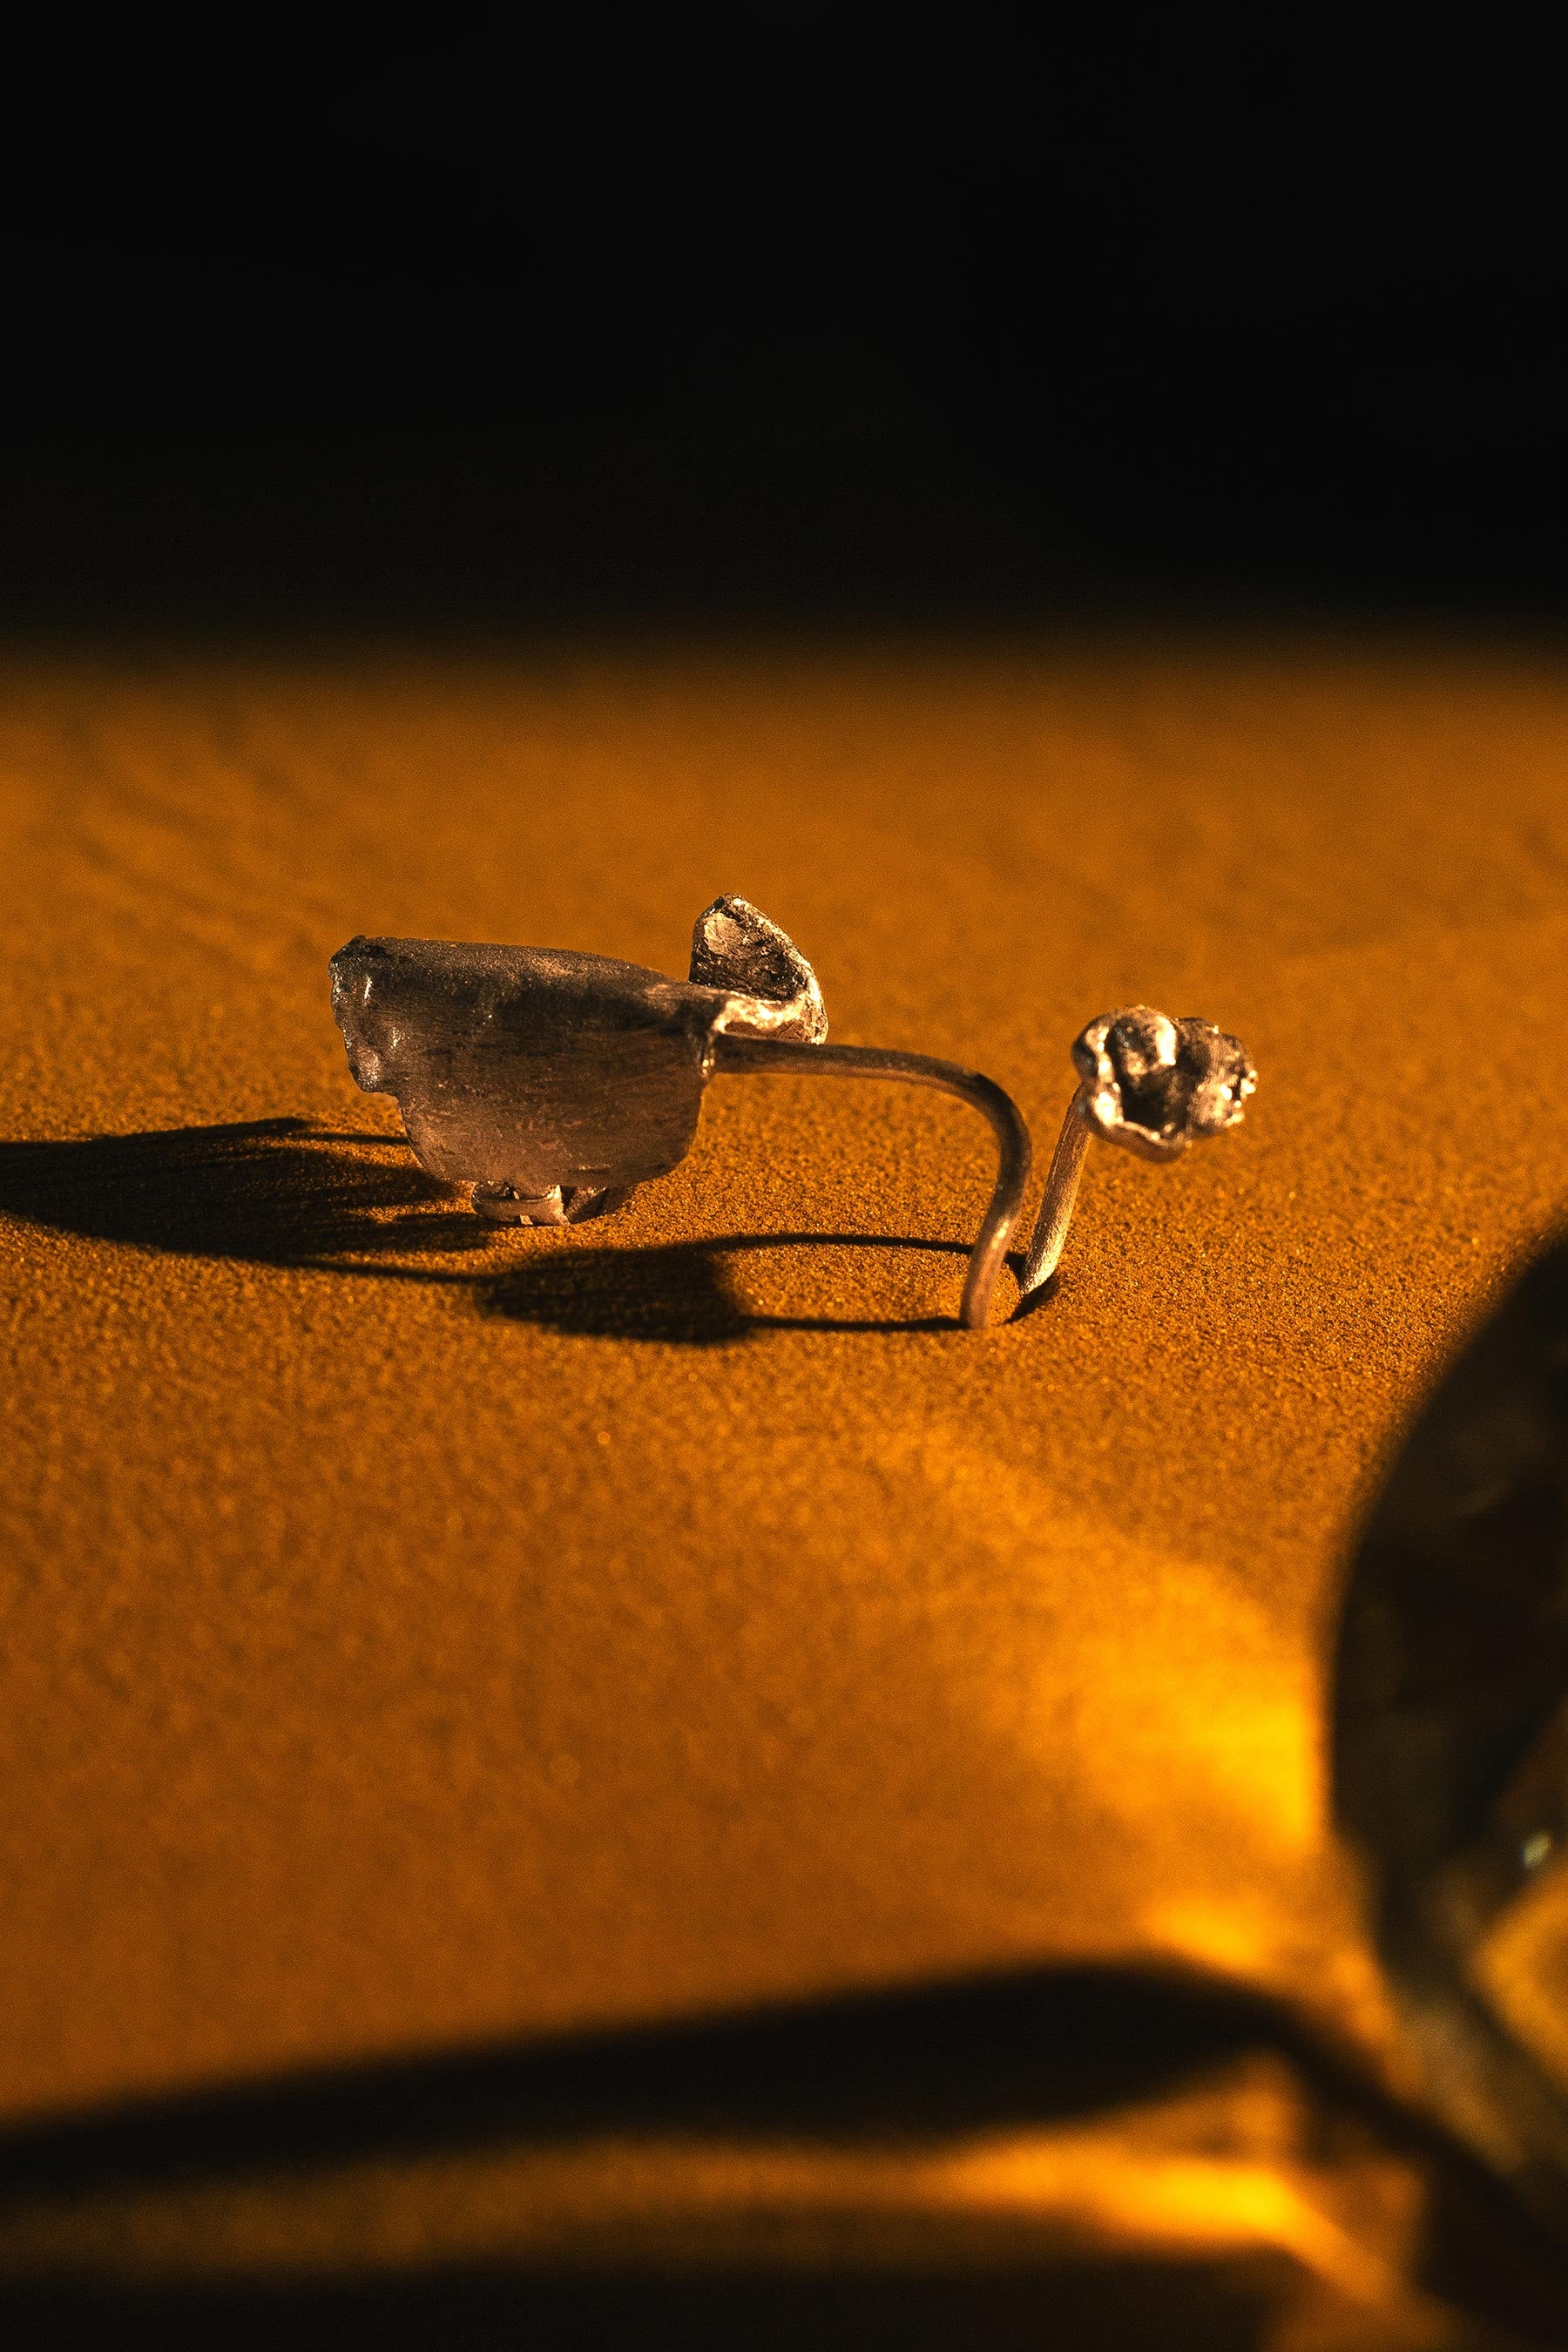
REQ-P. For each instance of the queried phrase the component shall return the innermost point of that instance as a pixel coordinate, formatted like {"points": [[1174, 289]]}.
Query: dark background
{"points": [[638, 320]]}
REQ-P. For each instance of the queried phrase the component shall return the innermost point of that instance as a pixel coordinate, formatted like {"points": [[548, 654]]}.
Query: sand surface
{"points": [[413, 1635]]}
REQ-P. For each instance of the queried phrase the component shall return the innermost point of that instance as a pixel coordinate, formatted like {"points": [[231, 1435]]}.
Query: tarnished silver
{"points": [[550, 1083], [1146, 1082]]}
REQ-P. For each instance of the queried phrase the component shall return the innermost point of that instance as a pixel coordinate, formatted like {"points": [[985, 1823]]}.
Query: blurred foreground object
{"points": [[1451, 1738]]}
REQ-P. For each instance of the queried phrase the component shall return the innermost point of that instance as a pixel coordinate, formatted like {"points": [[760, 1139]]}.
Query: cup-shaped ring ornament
{"points": [[550, 1083], [1152, 1086], [1450, 1739], [1155, 1085]]}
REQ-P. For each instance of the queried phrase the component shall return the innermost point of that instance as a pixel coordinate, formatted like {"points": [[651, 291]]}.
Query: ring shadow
{"points": [[291, 1193]]}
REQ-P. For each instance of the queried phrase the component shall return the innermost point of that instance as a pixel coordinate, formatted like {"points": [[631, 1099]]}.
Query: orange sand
{"points": [[389, 1662]]}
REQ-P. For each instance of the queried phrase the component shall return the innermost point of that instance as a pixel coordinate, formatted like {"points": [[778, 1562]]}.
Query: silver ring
{"points": [[549, 1084], [553, 1083]]}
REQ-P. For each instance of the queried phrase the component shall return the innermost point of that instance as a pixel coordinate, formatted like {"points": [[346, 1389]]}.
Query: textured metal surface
{"points": [[519, 1069], [552, 1082], [1149, 1083], [735, 948], [1155, 1085]]}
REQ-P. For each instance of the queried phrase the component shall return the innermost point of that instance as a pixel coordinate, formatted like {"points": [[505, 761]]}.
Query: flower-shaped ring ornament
{"points": [[1149, 1083], [550, 1083]]}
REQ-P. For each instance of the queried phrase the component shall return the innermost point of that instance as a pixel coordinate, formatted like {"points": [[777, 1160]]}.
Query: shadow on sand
{"points": [[285, 1192], [915, 2070]]}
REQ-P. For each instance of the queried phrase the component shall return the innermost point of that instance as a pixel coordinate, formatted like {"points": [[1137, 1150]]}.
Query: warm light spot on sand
{"points": [[1174, 1670]]}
